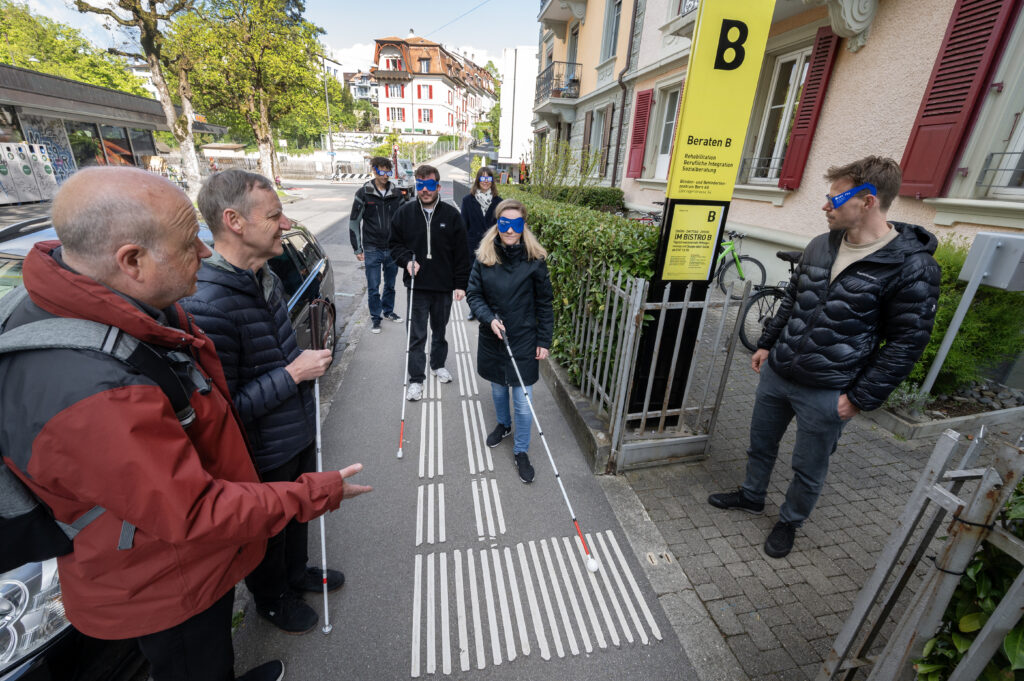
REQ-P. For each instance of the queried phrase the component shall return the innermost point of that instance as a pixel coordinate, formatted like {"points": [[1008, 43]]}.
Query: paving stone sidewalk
{"points": [[780, 616]]}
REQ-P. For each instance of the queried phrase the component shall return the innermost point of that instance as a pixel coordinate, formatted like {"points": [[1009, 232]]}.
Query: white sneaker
{"points": [[414, 393], [443, 375]]}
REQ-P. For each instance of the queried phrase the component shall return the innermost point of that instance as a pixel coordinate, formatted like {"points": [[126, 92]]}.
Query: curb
{"points": [[584, 422], [962, 424], [703, 643]]}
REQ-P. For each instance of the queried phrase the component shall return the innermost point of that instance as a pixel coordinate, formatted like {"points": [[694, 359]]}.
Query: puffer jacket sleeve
{"points": [[258, 397], [461, 262], [354, 220], [776, 324], [543, 298], [908, 314], [475, 295]]}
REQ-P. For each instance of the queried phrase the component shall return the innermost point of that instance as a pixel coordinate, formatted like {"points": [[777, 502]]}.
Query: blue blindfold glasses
{"points": [[383, 172], [429, 185], [515, 224], [484, 179], [842, 197]]}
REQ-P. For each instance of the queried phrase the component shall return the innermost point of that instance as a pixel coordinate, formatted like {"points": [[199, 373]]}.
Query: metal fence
{"points": [[608, 322], [559, 79], [973, 521]]}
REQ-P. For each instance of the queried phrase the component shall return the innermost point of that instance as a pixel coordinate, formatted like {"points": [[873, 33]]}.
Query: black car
{"points": [[37, 643]]}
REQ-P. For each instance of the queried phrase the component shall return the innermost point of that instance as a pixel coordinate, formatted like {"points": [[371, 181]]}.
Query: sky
{"points": [[480, 29]]}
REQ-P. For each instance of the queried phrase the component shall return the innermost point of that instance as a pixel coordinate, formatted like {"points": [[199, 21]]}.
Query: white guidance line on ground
{"points": [[493, 626]]}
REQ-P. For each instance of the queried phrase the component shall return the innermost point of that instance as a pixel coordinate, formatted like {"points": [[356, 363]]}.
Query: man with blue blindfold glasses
{"points": [[428, 241]]}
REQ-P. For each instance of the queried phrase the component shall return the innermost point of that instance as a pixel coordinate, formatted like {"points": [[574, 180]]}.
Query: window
{"points": [[424, 66], [450, 97], [115, 142], [787, 83], [85, 144], [395, 90], [574, 42], [664, 129], [9, 125], [424, 91], [396, 113], [142, 145], [425, 115], [611, 29], [393, 64]]}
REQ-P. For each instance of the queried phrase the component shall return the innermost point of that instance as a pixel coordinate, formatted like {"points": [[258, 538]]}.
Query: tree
{"points": [[257, 57], [41, 44], [493, 126], [147, 20]]}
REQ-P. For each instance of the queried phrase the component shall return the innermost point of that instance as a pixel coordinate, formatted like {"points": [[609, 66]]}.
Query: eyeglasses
{"points": [[515, 224], [429, 185], [383, 172], [842, 197], [485, 179]]}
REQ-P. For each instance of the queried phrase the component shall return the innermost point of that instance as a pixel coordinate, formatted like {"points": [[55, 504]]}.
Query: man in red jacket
{"points": [[83, 430]]}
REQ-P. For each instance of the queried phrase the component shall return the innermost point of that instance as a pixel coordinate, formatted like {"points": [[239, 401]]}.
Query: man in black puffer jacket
{"points": [[240, 305], [857, 314]]}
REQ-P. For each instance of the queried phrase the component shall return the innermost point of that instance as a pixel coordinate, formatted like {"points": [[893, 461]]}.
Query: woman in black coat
{"points": [[510, 292], [478, 210]]}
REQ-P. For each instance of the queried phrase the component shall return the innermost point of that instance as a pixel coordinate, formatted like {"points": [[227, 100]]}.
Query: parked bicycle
{"points": [[764, 303], [739, 268], [645, 217]]}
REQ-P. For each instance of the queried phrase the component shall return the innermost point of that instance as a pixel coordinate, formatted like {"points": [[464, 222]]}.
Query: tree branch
{"points": [[129, 55], [82, 6]]}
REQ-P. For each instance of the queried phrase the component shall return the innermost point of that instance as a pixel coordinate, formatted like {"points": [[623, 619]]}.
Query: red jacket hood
{"points": [[65, 293]]}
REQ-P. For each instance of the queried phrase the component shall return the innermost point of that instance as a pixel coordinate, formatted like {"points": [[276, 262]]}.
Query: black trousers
{"points": [[437, 306], [287, 554], [198, 649]]}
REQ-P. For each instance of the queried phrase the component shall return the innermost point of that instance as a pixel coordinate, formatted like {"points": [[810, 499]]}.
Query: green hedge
{"points": [[581, 240], [598, 198], [992, 331]]}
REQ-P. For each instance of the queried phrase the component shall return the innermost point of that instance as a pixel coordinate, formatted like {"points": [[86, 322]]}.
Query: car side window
{"points": [[10, 274], [289, 269], [308, 251]]}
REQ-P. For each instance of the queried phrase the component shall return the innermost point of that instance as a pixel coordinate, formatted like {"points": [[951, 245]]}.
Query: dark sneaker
{"points": [[391, 316], [780, 541], [268, 671], [735, 500], [376, 326], [313, 580], [525, 469], [500, 432], [470, 316], [290, 614]]}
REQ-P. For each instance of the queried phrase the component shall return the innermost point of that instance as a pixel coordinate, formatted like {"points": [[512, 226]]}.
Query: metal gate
{"points": [[611, 314]]}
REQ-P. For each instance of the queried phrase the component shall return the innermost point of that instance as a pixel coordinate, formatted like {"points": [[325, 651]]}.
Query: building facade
{"points": [[519, 80], [363, 86], [840, 81], [428, 89]]}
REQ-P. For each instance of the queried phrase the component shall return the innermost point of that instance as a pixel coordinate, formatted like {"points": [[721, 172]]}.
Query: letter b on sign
{"points": [[712, 215], [725, 44]]}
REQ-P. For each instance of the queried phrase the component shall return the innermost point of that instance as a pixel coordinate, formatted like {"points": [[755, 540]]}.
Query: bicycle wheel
{"points": [[753, 271], [760, 308]]}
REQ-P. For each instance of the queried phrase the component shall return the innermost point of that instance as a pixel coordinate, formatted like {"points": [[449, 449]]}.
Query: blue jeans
{"points": [[818, 428], [375, 260], [524, 421]]}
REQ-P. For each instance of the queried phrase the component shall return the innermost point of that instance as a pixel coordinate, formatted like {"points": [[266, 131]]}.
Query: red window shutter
{"points": [[819, 70], [638, 139], [419, 115], [403, 90], [430, 91], [387, 114], [974, 39], [419, 93]]}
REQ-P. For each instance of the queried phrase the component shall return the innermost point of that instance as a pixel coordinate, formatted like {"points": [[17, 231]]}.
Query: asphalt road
{"points": [[454, 567]]}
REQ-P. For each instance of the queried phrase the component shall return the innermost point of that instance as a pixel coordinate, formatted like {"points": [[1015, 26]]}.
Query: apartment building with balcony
{"points": [[426, 88], [936, 84], [584, 46], [363, 86]]}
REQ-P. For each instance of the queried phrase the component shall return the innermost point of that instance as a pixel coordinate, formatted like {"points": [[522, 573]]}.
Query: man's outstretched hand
{"points": [[351, 489]]}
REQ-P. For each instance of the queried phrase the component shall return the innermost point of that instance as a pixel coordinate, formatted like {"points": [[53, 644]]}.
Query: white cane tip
{"points": [[399, 454], [592, 564], [327, 629]]}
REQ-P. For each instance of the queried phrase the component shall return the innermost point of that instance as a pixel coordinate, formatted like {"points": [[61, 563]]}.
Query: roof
{"points": [[442, 62]]}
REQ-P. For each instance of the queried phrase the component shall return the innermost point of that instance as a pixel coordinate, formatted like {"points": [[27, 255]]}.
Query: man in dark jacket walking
{"points": [[434, 233], [240, 304], [369, 226], [83, 431], [857, 314]]}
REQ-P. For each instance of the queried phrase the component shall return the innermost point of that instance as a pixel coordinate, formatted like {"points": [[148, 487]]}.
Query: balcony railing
{"points": [[1003, 170], [559, 80]]}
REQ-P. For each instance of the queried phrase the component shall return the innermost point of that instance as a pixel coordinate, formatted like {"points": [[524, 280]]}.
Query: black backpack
{"points": [[28, 530]]}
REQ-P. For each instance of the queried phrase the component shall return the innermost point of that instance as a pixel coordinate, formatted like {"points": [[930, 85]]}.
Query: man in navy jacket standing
{"points": [[240, 304], [856, 316], [434, 233]]}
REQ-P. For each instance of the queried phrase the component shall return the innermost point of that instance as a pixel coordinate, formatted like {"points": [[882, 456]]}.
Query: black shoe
{"points": [[469, 316], [268, 671], [391, 316], [500, 432], [735, 500], [525, 469], [289, 613], [376, 326], [313, 580], [780, 541]]}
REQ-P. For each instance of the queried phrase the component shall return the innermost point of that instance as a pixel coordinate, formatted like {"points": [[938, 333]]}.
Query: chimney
{"points": [[412, 34]]}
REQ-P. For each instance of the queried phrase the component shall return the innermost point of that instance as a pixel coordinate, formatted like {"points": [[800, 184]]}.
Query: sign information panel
{"points": [[728, 49], [692, 238]]}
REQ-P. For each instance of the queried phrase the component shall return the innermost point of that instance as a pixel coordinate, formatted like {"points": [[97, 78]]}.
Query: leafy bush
{"points": [[987, 578], [992, 331], [607, 199], [580, 240]]}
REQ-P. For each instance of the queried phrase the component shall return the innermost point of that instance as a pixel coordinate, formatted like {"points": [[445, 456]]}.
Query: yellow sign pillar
{"points": [[725, 63]]}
